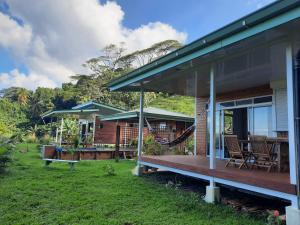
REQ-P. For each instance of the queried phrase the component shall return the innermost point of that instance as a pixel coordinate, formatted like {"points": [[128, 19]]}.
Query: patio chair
{"points": [[236, 155], [262, 152]]}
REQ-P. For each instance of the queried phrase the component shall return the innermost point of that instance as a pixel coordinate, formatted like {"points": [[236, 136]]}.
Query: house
{"points": [[90, 125], [245, 78], [98, 122], [167, 124]]}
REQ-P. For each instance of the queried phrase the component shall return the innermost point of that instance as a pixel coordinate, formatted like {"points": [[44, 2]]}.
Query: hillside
{"points": [[175, 103]]}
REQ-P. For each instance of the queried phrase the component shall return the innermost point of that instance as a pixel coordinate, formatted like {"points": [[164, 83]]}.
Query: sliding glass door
{"points": [[241, 118], [219, 133], [260, 120]]}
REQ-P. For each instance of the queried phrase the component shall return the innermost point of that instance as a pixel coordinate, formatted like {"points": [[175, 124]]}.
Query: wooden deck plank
{"points": [[260, 178]]}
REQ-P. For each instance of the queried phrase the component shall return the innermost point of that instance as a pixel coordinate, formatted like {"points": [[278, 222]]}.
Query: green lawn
{"points": [[33, 194], [181, 104]]}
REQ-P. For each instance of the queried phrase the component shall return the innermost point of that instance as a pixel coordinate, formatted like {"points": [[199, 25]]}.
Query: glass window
{"points": [[262, 120], [263, 99], [227, 104], [244, 102]]}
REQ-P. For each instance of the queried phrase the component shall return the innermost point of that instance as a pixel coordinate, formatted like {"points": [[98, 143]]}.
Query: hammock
{"points": [[178, 140]]}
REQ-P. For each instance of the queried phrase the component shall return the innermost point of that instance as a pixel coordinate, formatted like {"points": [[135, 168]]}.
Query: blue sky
{"points": [[195, 17], [43, 43]]}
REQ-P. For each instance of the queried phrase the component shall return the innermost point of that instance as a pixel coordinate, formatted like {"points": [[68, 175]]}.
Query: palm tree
{"points": [[32, 131], [23, 96]]}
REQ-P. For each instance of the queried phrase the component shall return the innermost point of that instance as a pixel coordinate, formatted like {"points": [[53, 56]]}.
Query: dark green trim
{"points": [[69, 111], [119, 116], [98, 104], [273, 10], [134, 114]]}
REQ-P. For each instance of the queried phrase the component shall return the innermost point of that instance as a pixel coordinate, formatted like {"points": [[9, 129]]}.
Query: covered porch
{"points": [[245, 80], [198, 167]]}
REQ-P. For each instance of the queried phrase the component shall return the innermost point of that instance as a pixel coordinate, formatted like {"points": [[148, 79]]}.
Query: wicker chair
{"points": [[236, 155], [262, 152]]}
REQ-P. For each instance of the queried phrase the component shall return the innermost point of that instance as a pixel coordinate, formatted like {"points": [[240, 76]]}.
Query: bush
{"points": [[31, 138], [151, 147], [133, 142], [109, 170], [274, 218], [190, 144], [76, 141], [45, 140], [178, 151], [6, 148]]}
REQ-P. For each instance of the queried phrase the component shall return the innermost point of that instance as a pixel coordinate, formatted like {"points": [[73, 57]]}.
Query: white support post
{"points": [[212, 192], [61, 131], [86, 129], [56, 135], [291, 115], [195, 120], [293, 211], [141, 128], [212, 122]]}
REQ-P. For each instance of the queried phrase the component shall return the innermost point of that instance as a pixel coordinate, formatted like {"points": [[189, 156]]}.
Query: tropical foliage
{"points": [[6, 147], [21, 109]]}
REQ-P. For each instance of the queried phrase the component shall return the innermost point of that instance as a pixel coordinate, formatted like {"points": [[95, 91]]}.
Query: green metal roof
{"points": [[150, 113], [97, 105], [86, 108], [275, 14], [70, 111]]}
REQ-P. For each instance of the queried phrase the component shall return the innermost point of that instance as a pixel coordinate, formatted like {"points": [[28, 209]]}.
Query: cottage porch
{"points": [[198, 166], [233, 63]]}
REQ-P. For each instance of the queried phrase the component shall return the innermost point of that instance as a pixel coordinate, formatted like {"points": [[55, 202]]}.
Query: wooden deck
{"points": [[260, 178]]}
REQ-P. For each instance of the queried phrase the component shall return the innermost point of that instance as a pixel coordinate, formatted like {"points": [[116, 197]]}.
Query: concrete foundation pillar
{"points": [[292, 215], [212, 194], [138, 170]]}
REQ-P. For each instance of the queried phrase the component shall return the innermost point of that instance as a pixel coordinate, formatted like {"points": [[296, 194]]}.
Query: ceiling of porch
{"points": [[253, 62]]}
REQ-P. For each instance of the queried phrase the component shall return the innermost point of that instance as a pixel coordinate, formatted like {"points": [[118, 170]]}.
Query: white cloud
{"points": [[17, 79], [58, 36], [14, 37]]}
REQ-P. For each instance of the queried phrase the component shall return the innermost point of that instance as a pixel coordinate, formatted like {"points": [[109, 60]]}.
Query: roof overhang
{"points": [[247, 53], [103, 108], [77, 112], [134, 117]]}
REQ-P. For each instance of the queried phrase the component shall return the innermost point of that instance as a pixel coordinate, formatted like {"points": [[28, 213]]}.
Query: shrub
{"points": [[274, 218], [133, 142], [31, 138], [45, 140], [151, 147], [178, 151], [6, 148], [190, 145], [76, 141], [109, 170]]}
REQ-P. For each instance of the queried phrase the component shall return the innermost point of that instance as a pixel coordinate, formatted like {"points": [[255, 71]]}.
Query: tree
{"points": [[147, 55], [41, 101], [17, 94], [112, 63], [21, 109], [23, 96]]}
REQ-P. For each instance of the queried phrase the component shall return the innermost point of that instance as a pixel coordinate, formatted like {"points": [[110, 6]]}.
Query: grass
{"points": [[33, 194], [176, 103]]}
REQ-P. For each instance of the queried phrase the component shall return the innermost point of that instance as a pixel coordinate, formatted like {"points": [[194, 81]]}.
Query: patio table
{"points": [[279, 146]]}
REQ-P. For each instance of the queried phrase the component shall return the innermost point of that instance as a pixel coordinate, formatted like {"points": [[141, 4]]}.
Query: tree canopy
{"points": [[21, 109]]}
